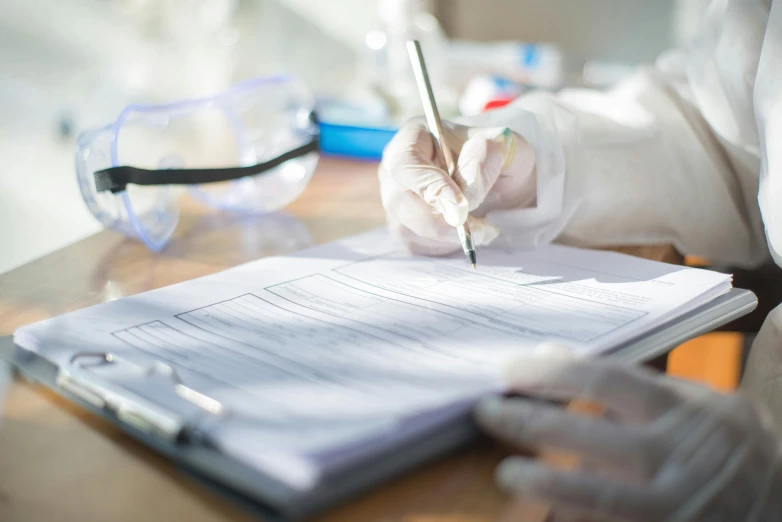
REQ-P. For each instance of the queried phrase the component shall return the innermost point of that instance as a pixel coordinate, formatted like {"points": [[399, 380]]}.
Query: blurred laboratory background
{"points": [[68, 65]]}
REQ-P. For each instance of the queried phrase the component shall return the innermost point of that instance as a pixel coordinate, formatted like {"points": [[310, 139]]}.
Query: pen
{"points": [[436, 128]]}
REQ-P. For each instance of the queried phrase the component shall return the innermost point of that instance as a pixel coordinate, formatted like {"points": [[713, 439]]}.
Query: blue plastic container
{"points": [[364, 143]]}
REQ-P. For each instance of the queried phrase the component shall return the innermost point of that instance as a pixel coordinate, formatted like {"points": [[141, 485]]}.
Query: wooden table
{"points": [[59, 463]]}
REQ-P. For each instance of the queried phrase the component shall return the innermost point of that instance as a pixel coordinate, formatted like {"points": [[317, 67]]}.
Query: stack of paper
{"points": [[322, 357]]}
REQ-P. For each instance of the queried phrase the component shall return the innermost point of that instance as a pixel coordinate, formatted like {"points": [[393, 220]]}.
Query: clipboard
{"points": [[172, 436]]}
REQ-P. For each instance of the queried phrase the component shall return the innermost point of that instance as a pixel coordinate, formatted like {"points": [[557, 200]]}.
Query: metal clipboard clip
{"points": [[129, 407]]}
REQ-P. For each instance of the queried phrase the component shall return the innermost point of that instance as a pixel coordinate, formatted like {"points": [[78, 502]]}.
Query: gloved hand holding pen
{"points": [[495, 171]]}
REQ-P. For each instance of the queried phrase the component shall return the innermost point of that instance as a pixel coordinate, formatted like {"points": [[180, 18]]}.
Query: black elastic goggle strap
{"points": [[116, 179]]}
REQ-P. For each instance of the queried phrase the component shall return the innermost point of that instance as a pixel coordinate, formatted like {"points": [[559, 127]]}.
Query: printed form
{"points": [[314, 352]]}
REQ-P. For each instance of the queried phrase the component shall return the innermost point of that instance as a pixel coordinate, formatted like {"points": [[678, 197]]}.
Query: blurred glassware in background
{"points": [[317, 42], [385, 93], [170, 49], [265, 126], [540, 65], [194, 38], [387, 61], [486, 92]]}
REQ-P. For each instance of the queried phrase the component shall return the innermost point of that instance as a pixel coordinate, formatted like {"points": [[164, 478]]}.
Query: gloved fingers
{"points": [[511, 192], [411, 145], [632, 392], [496, 170], [420, 228], [410, 161], [479, 165], [538, 426], [406, 209], [437, 189], [577, 492], [410, 211], [483, 233], [421, 246], [428, 227], [455, 135]]}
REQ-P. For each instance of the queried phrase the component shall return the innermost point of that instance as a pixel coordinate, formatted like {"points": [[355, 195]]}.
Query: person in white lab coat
{"points": [[687, 152]]}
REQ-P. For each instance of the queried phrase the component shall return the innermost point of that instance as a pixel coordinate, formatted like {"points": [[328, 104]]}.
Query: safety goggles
{"points": [[252, 148]]}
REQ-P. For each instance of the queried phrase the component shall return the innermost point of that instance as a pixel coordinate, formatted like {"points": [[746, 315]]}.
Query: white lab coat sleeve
{"points": [[635, 165], [763, 374], [768, 113]]}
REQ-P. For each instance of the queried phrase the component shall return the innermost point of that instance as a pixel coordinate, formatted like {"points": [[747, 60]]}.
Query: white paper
{"points": [[316, 353]]}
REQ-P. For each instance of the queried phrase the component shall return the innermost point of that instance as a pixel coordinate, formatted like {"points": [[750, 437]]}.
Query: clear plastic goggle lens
{"points": [[247, 125]]}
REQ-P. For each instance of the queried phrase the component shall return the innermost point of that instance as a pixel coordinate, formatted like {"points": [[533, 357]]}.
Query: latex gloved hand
{"points": [[495, 171], [672, 451]]}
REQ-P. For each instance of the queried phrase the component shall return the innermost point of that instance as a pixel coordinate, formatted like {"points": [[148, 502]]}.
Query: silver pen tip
{"points": [[473, 258]]}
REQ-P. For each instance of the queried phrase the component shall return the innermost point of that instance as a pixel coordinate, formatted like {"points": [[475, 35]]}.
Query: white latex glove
{"points": [[672, 451], [495, 171]]}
